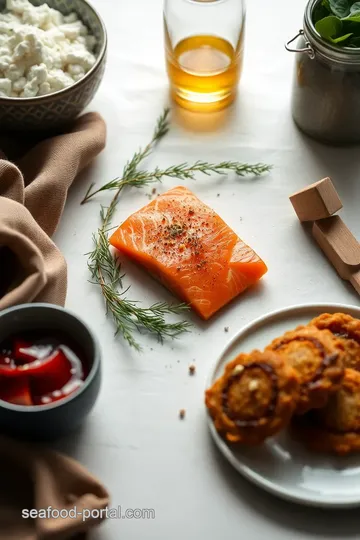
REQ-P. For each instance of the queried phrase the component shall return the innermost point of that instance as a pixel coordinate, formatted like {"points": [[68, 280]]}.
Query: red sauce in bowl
{"points": [[38, 370]]}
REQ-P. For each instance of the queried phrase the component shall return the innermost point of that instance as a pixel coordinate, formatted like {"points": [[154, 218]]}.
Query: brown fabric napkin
{"points": [[45, 481], [35, 176]]}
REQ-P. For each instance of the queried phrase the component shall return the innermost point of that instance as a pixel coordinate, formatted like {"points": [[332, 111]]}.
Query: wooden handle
{"points": [[355, 281], [339, 245]]}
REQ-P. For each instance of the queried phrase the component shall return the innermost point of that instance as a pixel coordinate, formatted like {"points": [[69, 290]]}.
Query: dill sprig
{"points": [[184, 171], [105, 269]]}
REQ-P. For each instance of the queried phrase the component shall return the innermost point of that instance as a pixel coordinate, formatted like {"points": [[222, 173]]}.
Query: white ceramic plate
{"points": [[282, 466]]}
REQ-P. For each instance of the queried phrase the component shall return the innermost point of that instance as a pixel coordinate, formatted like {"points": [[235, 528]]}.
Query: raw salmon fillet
{"points": [[189, 248]]}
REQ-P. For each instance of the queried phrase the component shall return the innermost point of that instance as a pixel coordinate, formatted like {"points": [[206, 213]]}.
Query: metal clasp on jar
{"points": [[307, 49]]}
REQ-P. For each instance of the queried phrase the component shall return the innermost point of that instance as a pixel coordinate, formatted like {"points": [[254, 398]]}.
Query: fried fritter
{"points": [[316, 355], [254, 399], [346, 329], [336, 428]]}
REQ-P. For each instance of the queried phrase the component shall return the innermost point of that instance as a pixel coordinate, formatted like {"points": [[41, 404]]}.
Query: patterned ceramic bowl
{"points": [[54, 110]]}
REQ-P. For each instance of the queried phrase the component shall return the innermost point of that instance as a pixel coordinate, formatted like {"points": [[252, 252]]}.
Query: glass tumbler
{"points": [[204, 41]]}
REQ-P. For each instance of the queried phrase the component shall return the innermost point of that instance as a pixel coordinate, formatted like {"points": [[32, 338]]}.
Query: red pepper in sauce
{"points": [[38, 372], [16, 391]]}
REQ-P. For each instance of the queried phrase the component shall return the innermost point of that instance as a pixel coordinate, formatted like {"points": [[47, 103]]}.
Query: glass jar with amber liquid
{"points": [[204, 41]]}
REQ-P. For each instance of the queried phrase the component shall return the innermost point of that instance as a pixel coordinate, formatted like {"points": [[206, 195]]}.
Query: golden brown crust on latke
{"points": [[336, 428], [316, 356], [254, 399], [347, 330]]}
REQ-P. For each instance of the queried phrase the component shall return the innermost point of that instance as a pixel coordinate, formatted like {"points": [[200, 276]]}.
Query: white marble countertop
{"points": [[134, 441]]}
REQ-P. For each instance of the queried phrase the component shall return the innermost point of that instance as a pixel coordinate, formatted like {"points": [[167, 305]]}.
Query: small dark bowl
{"points": [[49, 422]]}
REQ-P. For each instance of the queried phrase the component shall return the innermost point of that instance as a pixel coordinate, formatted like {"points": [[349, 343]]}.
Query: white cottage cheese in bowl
{"points": [[41, 50]]}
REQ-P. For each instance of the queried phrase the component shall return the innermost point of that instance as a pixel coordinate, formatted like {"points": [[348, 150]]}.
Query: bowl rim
{"points": [[93, 371], [64, 91]]}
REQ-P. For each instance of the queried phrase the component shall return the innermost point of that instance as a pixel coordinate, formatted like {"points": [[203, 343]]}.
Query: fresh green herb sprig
{"points": [[184, 171], [105, 270], [338, 22], [128, 315]]}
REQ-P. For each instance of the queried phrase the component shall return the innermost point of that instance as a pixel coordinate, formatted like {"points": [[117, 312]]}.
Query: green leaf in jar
{"points": [[329, 27], [355, 17], [341, 31], [321, 11], [352, 25], [340, 39], [355, 8], [340, 8], [354, 42]]}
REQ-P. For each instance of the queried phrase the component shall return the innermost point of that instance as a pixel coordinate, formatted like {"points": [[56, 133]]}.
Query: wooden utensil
{"points": [[340, 247], [318, 202]]}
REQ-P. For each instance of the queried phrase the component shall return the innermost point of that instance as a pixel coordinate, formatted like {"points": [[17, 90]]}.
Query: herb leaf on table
{"points": [[128, 315], [184, 171], [105, 269]]}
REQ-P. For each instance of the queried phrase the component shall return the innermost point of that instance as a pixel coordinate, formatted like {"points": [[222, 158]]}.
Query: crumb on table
{"points": [[153, 191], [226, 329], [192, 369], [182, 414]]}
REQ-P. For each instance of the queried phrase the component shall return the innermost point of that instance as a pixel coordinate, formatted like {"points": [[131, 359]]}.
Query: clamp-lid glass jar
{"points": [[326, 86]]}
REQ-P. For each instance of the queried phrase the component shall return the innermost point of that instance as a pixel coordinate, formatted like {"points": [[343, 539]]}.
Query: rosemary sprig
{"points": [[184, 171], [127, 315], [106, 271], [161, 129]]}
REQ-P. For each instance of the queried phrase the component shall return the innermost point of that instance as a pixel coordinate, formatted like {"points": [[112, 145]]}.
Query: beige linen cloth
{"points": [[34, 181], [35, 176], [35, 479]]}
